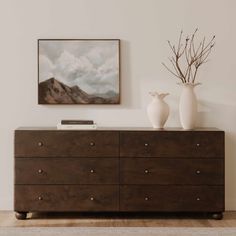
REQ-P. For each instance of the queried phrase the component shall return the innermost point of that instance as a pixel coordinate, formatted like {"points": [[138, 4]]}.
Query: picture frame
{"points": [[78, 71]]}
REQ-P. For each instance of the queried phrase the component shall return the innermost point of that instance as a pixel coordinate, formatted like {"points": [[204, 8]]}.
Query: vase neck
{"points": [[157, 96], [189, 85]]}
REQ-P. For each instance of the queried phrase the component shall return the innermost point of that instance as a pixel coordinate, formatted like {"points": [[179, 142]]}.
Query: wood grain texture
{"points": [[66, 144], [172, 171], [67, 170], [119, 171], [171, 198], [36, 198], [204, 144]]}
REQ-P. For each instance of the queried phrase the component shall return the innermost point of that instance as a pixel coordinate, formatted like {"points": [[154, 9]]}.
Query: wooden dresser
{"points": [[119, 170]]}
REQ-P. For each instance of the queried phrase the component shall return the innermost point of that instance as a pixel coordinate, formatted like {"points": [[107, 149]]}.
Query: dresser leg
{"points": [[217, 216], [21, 215]]}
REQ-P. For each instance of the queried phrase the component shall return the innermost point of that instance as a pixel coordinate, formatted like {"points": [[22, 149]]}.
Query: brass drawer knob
{"points": [[40, 144], [40, 171], [198, 199], [92, 144], [146, 144], [146, 171], [40, 198], [92, 171], [198, 144], [198, 172], [146, 198], [92, 198]]}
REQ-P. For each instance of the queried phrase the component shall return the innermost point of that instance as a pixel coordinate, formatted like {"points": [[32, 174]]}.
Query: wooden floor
{"points": [[111, 220]]}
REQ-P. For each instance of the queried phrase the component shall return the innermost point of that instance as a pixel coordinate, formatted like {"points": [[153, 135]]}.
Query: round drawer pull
{"points": [[92, 171], [146, 144], [92, 144], [198, 172], [40, 171], [198, 199], [40, 144], [92, 198], [146, 198], [40, 198], [146, 171], [198, 144]]}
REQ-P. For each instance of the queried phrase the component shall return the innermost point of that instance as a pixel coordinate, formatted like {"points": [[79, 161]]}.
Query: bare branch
{"points": [[184, 49], [194, 52], [180, 38], [172, 72], [193, 57], [173, 64], [178, 68], [200, 46], [210, 43], [195, 74], [171, 47]]}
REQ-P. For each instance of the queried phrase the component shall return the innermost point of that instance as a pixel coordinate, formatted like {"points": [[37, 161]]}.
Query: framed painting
{"points": [[79, 71]]}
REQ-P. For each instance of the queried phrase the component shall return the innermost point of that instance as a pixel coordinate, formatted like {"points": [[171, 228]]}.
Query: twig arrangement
{"points": [[188, 58]]}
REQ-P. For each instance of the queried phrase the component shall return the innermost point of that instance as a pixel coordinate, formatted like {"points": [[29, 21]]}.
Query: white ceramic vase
{"points": [[188, 106], [158, 110]]}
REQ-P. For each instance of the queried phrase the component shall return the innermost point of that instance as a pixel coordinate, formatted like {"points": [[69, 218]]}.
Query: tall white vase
{"points": [[158, 110], [188, 106]]}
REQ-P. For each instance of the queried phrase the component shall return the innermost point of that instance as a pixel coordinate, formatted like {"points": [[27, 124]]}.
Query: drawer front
{"points": [[66, 198], [192, 144], [66, 143], [66, 170], [172, 198], [171, 171]]}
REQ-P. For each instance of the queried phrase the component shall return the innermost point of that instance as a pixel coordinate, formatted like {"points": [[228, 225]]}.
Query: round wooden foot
{"points": [[217, 216], [21, 215]]}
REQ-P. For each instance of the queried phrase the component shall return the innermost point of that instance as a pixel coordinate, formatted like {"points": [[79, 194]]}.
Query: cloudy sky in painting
{"points": [[92, 65]]}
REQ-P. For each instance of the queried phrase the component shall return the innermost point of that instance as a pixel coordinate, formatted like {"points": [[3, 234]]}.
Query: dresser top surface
{"points": [[122, 129]]}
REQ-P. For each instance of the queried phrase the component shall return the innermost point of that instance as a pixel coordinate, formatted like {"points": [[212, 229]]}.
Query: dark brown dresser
{"points": [[119, 170]]}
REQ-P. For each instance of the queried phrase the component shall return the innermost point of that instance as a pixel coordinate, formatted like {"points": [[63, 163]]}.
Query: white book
{"points": [[77, 127]]}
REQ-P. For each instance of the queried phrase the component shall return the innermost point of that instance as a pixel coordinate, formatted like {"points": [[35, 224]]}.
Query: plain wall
{"points": [[143, 27]]}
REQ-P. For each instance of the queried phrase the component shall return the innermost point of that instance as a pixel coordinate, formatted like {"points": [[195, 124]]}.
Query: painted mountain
{"points": [[52, 91]]}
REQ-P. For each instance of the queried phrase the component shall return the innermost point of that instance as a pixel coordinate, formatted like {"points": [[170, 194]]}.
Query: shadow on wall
{"points": [[223, 117]]}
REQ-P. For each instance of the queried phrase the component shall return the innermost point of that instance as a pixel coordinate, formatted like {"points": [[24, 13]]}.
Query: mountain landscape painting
{"points": [[78, 71]]}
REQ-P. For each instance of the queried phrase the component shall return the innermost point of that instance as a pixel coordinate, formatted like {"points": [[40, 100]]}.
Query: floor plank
{"points": [[8, 219]]}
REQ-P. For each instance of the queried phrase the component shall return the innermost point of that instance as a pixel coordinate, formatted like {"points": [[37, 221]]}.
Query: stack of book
{"points": [[77, 124]]}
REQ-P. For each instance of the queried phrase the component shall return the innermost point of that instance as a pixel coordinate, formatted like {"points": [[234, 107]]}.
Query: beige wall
{"points": [[143, 26]]}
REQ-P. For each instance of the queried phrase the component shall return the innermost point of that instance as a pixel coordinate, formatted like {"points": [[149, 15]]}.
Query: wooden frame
{"points": [[79, 71]]}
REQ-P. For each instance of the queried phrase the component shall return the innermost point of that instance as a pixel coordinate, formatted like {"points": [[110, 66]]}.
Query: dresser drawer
{"points": [[66, 170], [66, 198], [190, 144], [66, 143], [172, 198], [172, 171]]}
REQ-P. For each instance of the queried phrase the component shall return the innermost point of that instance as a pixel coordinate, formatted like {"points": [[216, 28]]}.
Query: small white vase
{"points": [[188, 106], [158, 110]]}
